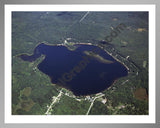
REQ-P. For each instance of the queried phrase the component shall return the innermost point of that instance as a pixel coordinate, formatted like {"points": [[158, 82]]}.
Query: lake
{"points": [[85, 70]]}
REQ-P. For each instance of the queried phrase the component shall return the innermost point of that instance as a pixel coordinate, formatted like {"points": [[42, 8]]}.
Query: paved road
{"points": [[54, 101], [93, 102]]}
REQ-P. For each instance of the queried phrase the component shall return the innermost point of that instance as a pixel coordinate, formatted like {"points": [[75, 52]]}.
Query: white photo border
{"points": [[9, 118]]}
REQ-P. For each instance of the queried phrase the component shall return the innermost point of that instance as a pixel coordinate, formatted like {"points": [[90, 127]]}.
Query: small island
{"points": [[98, 57]]}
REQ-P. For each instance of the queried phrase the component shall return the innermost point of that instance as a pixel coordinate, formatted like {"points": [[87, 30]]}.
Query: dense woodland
{"points": [[32, 90]]}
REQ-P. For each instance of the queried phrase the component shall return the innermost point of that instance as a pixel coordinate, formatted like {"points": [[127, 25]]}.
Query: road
{"points": [[93, 102], [84, 16], [54, 101]]}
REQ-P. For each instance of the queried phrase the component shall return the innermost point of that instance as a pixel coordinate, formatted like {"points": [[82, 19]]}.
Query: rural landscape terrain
{"points": [[122, 35]]}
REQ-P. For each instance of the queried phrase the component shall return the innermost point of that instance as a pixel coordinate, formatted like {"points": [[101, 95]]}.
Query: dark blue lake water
{"points": [[84, 71]]}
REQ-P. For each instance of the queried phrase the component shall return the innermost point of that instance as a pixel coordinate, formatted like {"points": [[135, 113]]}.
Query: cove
{"points": [[85, 70]]}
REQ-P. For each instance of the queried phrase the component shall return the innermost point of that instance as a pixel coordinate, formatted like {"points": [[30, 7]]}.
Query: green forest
{"points": [[32, 90]]}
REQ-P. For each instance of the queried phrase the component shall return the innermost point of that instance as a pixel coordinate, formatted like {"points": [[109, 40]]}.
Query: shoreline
{"points": [[68, 89], [75, 44]]}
